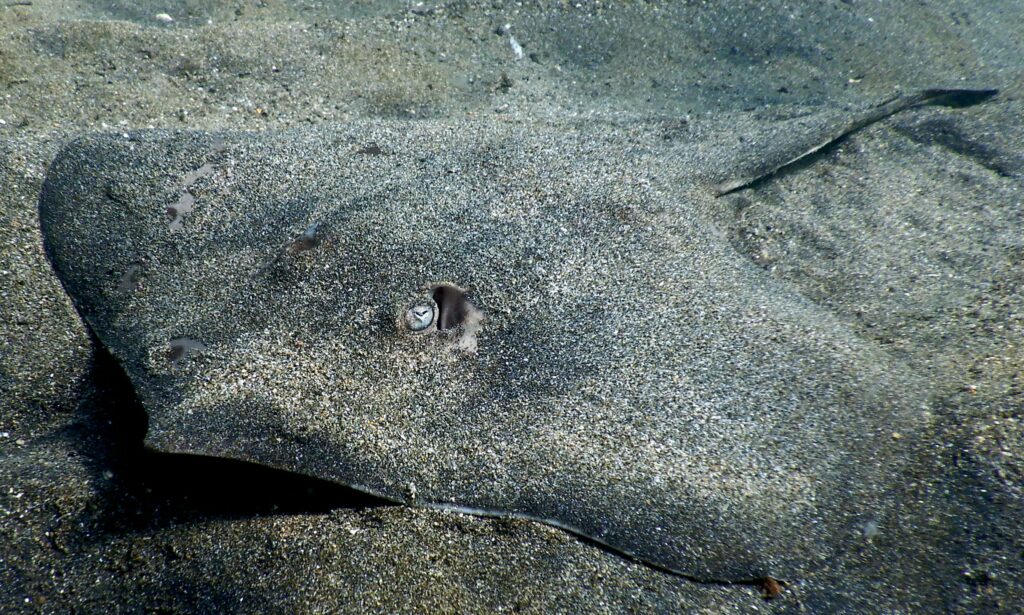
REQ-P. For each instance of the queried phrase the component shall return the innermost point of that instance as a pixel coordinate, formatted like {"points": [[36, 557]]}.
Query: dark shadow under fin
{"points": [[946, 98], [142, 489]]}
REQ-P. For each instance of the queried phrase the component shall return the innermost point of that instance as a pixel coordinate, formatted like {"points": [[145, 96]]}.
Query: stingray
{"points": [[535, 319]]}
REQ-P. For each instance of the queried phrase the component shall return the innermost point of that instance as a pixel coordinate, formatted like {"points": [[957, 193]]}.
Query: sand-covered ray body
{"points": [[630, 375]]}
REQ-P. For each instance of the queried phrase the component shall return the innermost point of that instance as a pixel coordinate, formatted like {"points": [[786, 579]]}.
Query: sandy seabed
{"points": [[909, 233]]}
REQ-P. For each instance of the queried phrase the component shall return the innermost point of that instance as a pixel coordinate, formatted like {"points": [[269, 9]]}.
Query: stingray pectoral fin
{"points": [[799, 146]]}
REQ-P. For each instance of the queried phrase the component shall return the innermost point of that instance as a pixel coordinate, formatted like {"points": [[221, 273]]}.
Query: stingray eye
{"points": [[419, 317]]}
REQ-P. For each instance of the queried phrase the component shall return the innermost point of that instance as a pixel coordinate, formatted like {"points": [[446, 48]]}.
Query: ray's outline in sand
{"points": [[309, 238]]}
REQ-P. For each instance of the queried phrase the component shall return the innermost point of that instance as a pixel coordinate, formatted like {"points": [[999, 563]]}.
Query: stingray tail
{"points": [[955, 98]]}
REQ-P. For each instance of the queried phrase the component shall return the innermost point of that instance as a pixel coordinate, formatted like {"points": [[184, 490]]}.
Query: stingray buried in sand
{"points": [[579, 364]]}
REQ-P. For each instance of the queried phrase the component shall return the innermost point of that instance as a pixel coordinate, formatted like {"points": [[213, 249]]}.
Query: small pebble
{"points": [[164, 17]]}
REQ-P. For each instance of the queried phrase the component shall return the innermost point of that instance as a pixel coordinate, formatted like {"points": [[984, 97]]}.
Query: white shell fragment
{"points": [[517, 49]]}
